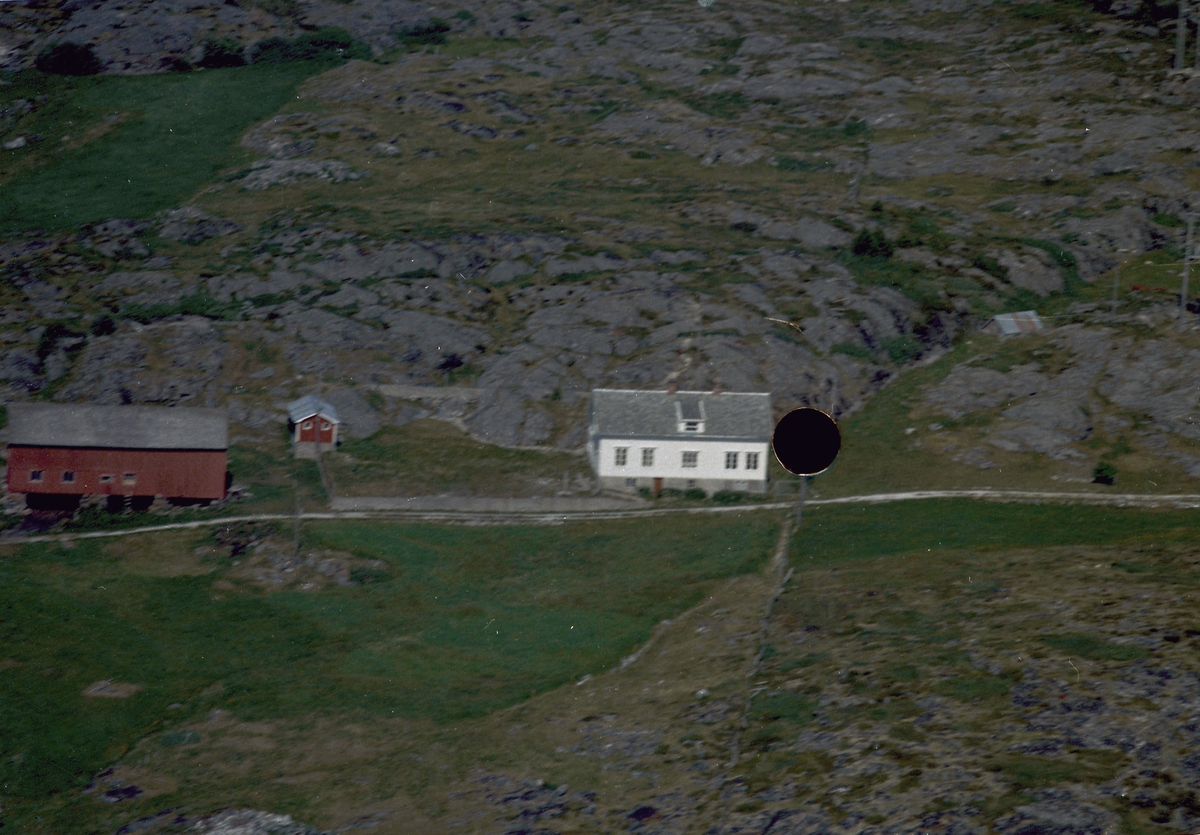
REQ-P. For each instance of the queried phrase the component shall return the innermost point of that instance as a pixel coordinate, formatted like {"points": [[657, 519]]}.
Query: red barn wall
{"points": [[310, 434], [173, 473]]}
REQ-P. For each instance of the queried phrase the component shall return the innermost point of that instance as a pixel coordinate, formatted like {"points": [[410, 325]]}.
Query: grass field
{"points": [[128, 146], [460, 622]]}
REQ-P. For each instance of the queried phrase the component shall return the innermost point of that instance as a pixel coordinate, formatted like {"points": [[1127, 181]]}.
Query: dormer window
{"points": [[689, 415]]}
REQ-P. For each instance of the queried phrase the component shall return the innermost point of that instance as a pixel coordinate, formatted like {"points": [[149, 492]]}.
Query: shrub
{"points": [[1104, 473], [270, 51], [220, 53], [727, 497], [872, 243], [695, 494], [329, 43], [860, 352], [54, 332], [855, 127], [424, 34], [104, 326], [990, 266], [364, 575], [902, 349], [68, 59]]}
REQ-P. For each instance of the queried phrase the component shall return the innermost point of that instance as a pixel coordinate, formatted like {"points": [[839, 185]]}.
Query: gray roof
{"points": [[310, 405], [117, 427], [629, 413]]}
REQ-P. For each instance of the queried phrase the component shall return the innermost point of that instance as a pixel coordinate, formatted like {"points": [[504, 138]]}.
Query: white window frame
{"points": [[325, 425], [751, 460], [620, 456], [689, 459], [129, 478], [648, 456], [731, 460], [306, 425], [106, 479]]}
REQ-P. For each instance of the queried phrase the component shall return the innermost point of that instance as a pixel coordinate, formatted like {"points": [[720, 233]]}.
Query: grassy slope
{"points": [[470, 620], [139, 144]]}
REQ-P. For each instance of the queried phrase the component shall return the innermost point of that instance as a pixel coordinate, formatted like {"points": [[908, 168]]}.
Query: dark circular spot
{"points": [[806, 441]]}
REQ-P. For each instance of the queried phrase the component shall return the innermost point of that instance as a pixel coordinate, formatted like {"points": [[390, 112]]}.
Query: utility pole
{"points": [[1116, 285], [1181, 35], [1187, 260]]}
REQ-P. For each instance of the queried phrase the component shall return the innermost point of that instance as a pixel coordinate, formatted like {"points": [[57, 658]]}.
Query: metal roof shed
{"points": [[1007, 324]]}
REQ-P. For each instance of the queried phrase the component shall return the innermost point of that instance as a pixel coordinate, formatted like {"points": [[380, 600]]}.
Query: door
{"points": [[657, 486]]}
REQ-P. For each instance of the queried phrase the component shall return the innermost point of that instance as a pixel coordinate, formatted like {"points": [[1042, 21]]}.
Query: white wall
{"points": [[668, 459]]}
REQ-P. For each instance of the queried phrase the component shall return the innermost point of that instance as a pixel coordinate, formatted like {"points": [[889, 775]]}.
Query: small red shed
{"points": [[313, 422], [59, 453]]}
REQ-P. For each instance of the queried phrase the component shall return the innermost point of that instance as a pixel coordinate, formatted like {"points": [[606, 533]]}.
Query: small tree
{"points": [[1104, 473], [872, 243], [68, 59], [220, 53]]}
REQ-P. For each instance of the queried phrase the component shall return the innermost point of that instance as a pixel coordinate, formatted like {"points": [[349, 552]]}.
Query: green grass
{"points": [[463, 621], [1097, 649], [838, 534], [174, 132]]}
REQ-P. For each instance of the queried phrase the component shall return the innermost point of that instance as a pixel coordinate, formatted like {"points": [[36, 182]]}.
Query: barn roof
{"points": [[656, 414], [310, 405], [117, 427]]}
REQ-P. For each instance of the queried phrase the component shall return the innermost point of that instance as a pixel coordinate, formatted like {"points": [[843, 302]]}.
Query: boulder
{"points": [[189, 225], [1031, 269], [507, 271]]}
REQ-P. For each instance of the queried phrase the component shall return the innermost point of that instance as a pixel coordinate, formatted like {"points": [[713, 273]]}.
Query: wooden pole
{"points": [[1187, 260], [1116, 285], [1181, 35]]}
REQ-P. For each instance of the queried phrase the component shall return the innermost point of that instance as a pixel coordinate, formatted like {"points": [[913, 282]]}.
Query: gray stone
{"points": [[359, 418], [1031, 269], [189, 225], [586, 264], [506, 271], [265, 173]]}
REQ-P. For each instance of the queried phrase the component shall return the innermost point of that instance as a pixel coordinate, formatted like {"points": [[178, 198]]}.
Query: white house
{"points": [[683, 440]]}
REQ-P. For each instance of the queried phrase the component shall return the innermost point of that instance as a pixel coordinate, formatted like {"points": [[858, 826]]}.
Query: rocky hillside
{"points": [[535, 200]]}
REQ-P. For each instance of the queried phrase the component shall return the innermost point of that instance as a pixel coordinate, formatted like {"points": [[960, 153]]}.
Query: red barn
{"points": [[58, 453]]}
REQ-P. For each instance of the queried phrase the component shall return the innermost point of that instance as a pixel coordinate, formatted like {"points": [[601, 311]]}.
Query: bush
{"points": [[329, 43], [695, 494], [902, 349], [68, 59], [220, 53], [872, 243], [1104, 473], [104, 326], [859, 352], [727, 497], [424, 34], [54, 332], [990, 266]]}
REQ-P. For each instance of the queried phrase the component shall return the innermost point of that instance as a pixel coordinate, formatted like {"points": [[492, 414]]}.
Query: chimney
{"points": [[672, 385]]}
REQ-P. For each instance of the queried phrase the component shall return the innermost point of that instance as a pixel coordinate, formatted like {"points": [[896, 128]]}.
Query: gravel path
{"points": [[484, 511]]}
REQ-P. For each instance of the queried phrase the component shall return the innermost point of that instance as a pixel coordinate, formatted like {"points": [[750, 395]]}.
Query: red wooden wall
{"points": [[175, 474]]}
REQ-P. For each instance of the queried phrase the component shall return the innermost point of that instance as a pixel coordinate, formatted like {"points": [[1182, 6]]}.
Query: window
{"points": [[106, 479], [324, 426], [691, 426], [648, 457], [129, 478], [35, 475], [691, 483], [306, 425], [621, 456], [631, 482], [731, 460], [690, 459], [751, 460], [69, 477]]}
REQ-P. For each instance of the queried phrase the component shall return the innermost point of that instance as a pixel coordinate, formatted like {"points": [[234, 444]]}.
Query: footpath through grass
{"points": [[461, 622], [134, 144]]}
